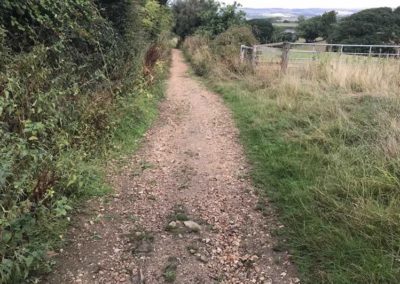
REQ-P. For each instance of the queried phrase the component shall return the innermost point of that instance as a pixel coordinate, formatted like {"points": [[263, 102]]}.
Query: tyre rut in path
{"points": [[191, 167]]}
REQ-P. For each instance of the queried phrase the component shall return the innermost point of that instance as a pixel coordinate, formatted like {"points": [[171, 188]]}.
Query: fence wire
{"points": [[287, 54]]}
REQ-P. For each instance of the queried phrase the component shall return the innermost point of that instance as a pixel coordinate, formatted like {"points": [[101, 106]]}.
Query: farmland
{"points": [[286, 25]]}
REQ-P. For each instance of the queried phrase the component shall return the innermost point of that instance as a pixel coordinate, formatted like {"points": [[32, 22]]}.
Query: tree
{"points": [[188, 15], [262, 29], [327, 22], [156, 19], [205, 16], [319, 26], [123, 14], [310, 29], [371, 26]]}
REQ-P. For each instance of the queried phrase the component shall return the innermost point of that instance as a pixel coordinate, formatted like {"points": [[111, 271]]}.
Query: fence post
{"points": [[241, 54], [314, 57], [285, 57], [254, 56]]}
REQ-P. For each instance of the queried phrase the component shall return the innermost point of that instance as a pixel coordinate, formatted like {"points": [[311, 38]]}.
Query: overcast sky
{"points": [[316, 3]]}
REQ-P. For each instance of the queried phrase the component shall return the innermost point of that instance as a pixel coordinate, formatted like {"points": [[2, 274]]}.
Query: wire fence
{"points": [[289, 54]]}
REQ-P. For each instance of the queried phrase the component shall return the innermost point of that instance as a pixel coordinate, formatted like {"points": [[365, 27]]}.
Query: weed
{"points": [[192, 248], [179, 214], [141, 241], [170, 270], [95, 236]]}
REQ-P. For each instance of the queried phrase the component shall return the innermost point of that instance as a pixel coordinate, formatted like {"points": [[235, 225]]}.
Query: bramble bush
{"points": [[221, 54], [64, 68]]}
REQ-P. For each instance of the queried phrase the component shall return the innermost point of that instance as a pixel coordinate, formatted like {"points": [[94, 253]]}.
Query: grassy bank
{"points": [[324, 145]]}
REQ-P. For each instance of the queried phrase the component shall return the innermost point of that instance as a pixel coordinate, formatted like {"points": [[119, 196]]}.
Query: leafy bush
{"points": [[64, 66], [200, 55], [206, 17], [220, 55], [227, 46]]}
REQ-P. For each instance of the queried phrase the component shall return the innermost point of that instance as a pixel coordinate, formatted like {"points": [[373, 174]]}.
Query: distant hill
{"points": [[291, 14]]}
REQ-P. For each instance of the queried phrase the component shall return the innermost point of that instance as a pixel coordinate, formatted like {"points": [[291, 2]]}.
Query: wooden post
{"points": [[254, 56], [241, 54], [285, 57], [314, 57]]}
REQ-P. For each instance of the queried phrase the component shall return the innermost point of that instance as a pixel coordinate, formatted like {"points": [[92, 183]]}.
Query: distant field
{"points": [[286, 25]]}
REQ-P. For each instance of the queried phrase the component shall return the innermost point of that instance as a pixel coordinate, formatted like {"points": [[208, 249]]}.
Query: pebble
{"points": [[203, 259], [193, 226], [172, 225]]}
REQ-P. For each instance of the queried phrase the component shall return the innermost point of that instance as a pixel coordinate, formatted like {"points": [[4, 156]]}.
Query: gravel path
{"points": [[183, 208]]}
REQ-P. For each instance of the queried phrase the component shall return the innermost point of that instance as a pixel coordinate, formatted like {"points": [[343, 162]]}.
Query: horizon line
{"points": [[318, 8]]}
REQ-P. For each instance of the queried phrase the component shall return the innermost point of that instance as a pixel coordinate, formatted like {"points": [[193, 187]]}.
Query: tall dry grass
{"points": [[324, 139], [219, 56], [348, 74]]}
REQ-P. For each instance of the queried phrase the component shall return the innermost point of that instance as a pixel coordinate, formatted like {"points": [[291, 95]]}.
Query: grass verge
{"points": [[329, 160]]}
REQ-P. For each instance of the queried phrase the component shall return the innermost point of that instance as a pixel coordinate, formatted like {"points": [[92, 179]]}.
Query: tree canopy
{"points": [[371, 26], [262, 29], [205, 16], [319, 26]]}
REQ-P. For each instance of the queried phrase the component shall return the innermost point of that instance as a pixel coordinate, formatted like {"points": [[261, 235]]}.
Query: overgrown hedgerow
{"points": [[65, 66]]}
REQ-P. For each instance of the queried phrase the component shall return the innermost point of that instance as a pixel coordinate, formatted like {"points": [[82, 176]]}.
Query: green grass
{"points": [[170, 270], [324, 161], [286, 25], [307, 53]]}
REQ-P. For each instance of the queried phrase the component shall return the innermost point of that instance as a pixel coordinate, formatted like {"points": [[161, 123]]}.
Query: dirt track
{"points": [[191, 167]]}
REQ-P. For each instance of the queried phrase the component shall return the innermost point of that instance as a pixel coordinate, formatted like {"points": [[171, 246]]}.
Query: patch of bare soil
{"points": [[183, 209]]}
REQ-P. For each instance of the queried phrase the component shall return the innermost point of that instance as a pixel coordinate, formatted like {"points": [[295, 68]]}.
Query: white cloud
{"points": [[316, 3]]}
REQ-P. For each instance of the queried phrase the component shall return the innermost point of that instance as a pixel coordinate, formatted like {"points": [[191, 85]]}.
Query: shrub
{"points": [[63, 69], [197, 50], [221, 55], [227, 46]]}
